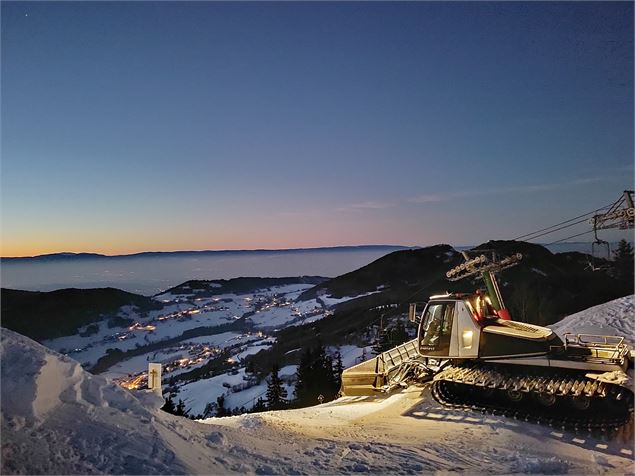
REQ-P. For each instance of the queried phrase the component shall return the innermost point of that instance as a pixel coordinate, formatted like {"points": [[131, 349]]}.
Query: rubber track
{"points": [[483, 379]]}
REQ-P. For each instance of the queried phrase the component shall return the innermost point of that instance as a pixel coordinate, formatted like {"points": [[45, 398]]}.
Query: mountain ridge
{"points": [[66, 255]]}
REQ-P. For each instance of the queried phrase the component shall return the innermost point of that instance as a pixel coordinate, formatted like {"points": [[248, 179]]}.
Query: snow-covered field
{"points": [[57, 418], [616, 317], [265, 310]]}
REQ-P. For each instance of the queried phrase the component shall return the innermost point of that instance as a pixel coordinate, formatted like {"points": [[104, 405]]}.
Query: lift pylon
{"points": [[620, 215]]}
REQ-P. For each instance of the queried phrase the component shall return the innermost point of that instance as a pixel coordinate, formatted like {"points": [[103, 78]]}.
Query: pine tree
{"points": [[323, 373], [221, 411], [168, 406], [623, 261], [382, 342], [276, 393], [209, 410], [180, 409], [303, 376], [398, 334], [338, 368], [250, 367], [315, 377], [260, 406]]}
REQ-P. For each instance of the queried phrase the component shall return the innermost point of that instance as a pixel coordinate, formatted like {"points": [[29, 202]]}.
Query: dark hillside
{"points": [[45, 315], [395, 272]]}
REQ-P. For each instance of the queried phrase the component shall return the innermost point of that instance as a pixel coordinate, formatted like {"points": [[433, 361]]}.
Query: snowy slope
{"points": [[57, 418], [615, 317]]}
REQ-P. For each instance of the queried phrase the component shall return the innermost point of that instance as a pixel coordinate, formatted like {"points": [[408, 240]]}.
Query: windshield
{"points": [[436, 325]]}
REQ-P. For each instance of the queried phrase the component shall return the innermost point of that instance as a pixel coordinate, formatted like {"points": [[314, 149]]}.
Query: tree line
{"points": [[318, 379]]}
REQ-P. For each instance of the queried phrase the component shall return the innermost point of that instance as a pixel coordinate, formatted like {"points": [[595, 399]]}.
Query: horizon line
{"points": [[224, 250], [71, 254]]}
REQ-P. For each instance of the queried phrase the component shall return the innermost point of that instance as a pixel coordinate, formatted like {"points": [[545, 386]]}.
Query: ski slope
{"points": [[615, 317], [57, 418]]}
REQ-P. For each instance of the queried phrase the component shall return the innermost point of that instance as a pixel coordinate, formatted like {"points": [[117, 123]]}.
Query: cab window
{"points": [[436, 328]]}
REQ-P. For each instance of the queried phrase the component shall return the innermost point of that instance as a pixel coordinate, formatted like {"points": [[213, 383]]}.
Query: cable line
{"points": [[562, 223], [569, 237], [557, 229]]}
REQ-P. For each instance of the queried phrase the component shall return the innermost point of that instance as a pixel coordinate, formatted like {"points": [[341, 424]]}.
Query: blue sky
{"points": [[208, 125]]}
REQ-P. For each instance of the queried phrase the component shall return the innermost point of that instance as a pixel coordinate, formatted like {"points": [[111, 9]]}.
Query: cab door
{"points": [[435, 331]]}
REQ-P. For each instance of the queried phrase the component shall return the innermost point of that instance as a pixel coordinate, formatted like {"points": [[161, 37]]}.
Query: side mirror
{"points": [[412, 312]]}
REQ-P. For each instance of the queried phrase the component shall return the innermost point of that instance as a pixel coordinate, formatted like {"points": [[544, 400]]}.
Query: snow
{"points": [[538, 271], [184, 312], [310, 305], [57, 418], [288, 370], [197, 395], [612, 318], [352, 354], [332, 301], [273, 318], [140, 363], [253, 349]]}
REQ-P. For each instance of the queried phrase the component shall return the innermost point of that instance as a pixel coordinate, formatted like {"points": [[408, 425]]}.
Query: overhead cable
{"points": [[557, 229], [569, 237], [562, 223]]}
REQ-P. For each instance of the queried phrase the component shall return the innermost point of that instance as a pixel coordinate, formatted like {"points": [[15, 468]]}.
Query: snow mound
{"points": [[611, 318], [81, 423], [57, 418]]}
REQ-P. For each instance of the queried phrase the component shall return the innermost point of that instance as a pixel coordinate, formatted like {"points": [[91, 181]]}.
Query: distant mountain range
{"points": [[149, 254], [582, 247]]}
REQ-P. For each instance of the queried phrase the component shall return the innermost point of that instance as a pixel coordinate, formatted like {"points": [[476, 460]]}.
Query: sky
{"points": [[147, 126]]}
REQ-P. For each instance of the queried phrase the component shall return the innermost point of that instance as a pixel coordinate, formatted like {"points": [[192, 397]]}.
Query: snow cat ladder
{"points": [[383, 373]]}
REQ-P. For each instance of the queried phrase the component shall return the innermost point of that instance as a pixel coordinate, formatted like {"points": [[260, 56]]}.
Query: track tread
{"points": [[483, 376]]}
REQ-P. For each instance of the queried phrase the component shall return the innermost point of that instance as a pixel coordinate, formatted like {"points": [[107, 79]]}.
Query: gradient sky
{"points": [[161, 126]]}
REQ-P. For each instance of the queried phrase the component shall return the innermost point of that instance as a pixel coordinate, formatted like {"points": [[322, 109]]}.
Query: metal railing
{"points": [[601, 346], [394, 357]]}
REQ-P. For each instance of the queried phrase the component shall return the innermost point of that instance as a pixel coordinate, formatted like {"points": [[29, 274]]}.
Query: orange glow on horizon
{"points": [[26, 250], [260, 232]]}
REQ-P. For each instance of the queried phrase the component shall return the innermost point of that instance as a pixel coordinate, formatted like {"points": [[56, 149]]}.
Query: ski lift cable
{"points": [[563, 222], [551, 229], [557, 229], [569, 237]]}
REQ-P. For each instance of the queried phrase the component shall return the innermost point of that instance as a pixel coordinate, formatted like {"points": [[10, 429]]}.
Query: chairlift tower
{"points": [[486, 268], [620, 215]]}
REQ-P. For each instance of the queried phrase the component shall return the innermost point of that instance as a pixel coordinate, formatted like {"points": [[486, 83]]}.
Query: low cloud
{"points": [[368, 205]]}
